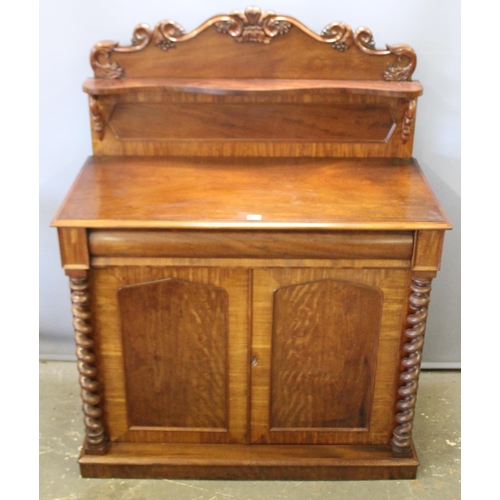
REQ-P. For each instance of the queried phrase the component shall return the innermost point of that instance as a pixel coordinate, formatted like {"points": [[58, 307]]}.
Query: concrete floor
{"points": [[436, 434]]}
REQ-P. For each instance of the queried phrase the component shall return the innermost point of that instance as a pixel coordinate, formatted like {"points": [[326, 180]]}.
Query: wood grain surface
{"points": [[254, 120], [383, 345], [323, 355], [247, 86], [211, 54], [380, 263], [271, 462], [175, 336], [265, 122], [172, 358], [73, 245], [252, 218], [252, 244], [288, 193], [428, 250]]}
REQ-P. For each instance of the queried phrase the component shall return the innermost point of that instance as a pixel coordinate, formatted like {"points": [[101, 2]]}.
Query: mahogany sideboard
{"points": [[250, 252]]}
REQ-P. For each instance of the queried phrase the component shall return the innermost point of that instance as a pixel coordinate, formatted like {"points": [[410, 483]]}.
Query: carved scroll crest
{"points": [[406, 57], [166, 34], [339, 35], [100, 56], [255, 26], [407, 60], [101, 63]]}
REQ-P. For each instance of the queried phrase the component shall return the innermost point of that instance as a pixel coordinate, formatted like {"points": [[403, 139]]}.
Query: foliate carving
{"points": [[100, 60], [253, 25], [339, 35], [408, 119], [407, 60], [166, 34], [406, 57], [363, 38], [140, 38], [97, 120], [410, 365], [96, 440], [275, 25], [100, 56]]}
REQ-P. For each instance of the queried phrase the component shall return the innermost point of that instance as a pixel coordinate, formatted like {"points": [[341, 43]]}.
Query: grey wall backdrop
{"points": [[68, 30]]}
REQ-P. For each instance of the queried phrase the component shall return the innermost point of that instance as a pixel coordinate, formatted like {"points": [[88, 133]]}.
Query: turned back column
{"points": [[425, 264], [75, 259]]}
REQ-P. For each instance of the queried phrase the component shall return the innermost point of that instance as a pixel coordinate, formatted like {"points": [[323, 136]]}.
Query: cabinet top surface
{"points": [[243, 192]]}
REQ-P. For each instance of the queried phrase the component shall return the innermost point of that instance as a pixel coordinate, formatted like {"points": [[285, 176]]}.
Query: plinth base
{"points": [[274, 462]]}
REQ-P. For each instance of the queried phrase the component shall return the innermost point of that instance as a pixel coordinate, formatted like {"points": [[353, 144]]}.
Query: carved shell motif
{"points": [[254, 26]]}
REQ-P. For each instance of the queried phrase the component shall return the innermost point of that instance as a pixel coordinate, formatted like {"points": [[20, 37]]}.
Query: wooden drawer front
{"points": [[252, 244]]}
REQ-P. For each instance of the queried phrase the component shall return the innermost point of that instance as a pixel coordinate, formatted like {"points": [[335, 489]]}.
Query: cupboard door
{"points": [[325, 347], [182, 340]]}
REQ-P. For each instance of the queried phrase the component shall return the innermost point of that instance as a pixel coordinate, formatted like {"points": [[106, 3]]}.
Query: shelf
{"points": [[242, 86]]}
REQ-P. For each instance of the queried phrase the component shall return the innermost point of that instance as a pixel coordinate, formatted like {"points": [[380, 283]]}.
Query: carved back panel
{"points": [[252, 83], [209, 51]]}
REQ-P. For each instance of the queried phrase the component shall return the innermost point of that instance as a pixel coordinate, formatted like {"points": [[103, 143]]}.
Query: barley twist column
{"points": [[410, 366], [96, 440]]}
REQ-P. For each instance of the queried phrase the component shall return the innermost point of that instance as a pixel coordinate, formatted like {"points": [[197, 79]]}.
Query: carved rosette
{"points": [[96, 440], [410, 366], [408, 120], [255, 26], [97, 120]]}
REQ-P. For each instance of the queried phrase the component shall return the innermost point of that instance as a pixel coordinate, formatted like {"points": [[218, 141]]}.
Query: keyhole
{"points": [[254, 361]]}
